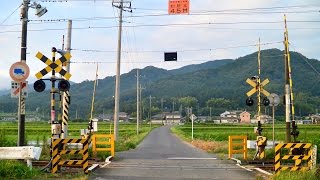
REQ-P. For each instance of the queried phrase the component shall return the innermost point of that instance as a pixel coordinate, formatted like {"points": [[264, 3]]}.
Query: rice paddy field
{"points": [[40, 132], [214, 137], [217, 132]]}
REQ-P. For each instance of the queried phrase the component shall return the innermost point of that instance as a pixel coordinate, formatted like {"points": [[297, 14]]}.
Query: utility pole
{"points": [[259, 88], [140, 100], [23, 58], [66, 95], [287, 83], [173, 103], [162, 101], [117, 88], [138, 110], [289, 91], [150, 101]]}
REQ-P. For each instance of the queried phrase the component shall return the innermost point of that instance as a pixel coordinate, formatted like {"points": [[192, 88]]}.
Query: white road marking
{"points": [[244, 168], [187, 158], [263, 171]]}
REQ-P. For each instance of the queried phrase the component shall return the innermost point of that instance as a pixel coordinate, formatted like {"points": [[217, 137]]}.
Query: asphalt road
{"points": [[162, 155]]}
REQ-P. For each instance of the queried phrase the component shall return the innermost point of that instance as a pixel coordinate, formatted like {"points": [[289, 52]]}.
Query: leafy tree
{"points": [[188, 101]]}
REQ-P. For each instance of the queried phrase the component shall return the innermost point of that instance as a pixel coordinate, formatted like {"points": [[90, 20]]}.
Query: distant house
{"points": [[245, 117], [172, 118], [202, 118], [304, 121], [158, 119], [223, 115], [230, 116], [264, 119], [315, 119], [123, 116]]}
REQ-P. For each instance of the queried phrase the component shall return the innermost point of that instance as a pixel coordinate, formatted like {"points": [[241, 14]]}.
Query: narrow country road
{"points": [[162, 155]]}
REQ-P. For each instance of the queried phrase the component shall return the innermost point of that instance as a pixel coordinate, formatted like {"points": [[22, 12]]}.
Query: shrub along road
{"points": [[161, 155]]}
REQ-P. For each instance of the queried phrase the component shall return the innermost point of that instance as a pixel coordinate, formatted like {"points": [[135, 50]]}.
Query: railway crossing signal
{"points": [[249, 101], [255, 86], [56, 65], [254, 82]]}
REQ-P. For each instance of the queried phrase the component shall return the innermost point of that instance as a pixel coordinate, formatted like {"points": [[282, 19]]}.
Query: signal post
{"points": [[258, 87]]}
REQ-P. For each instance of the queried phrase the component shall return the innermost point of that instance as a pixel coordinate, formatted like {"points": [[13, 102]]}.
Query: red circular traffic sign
{"points": [[19, 71]]}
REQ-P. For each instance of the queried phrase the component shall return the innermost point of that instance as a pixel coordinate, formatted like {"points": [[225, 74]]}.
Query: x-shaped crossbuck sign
{"points": [[256, 87], [56, 65]]}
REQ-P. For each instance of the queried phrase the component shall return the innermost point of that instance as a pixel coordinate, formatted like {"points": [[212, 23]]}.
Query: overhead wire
{"points": [[182, 50], [230, 47], [177, 25], [197, 13], [1, 24], [245, 9], [306, 60], [158, 61]]}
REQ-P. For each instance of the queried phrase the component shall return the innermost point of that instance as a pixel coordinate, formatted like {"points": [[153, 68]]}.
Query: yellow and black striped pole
{"points": [[65, 113], [85, 158], [55, 155], [53, 113]]}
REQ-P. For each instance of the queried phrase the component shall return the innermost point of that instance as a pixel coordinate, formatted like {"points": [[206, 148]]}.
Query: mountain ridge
{"points": [[213, 79]]}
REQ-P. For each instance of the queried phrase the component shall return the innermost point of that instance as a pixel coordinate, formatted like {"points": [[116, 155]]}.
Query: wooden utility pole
{"points": [[23, 58], [138, 109]]}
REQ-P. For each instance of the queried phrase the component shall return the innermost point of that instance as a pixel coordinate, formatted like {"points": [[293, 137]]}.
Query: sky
{"points": [[213, 30]]}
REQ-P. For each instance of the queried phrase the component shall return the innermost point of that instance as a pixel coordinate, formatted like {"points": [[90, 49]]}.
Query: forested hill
{"points": [[214, 79]]}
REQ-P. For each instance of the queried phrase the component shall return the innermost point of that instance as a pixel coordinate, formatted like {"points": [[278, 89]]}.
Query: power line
{"points": [[245, 9], [10, 15], [306, 60], [158, 61], [183, 50], [205, 13], [172, 25]]}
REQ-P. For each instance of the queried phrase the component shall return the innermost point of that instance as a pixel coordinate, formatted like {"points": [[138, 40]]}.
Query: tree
{"points": [[219, 105], [188, 101]]}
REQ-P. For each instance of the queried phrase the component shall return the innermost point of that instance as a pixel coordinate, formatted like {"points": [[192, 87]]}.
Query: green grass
{"points": [[220, 133], [297, 175], [41, 132], [16, 170]]}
